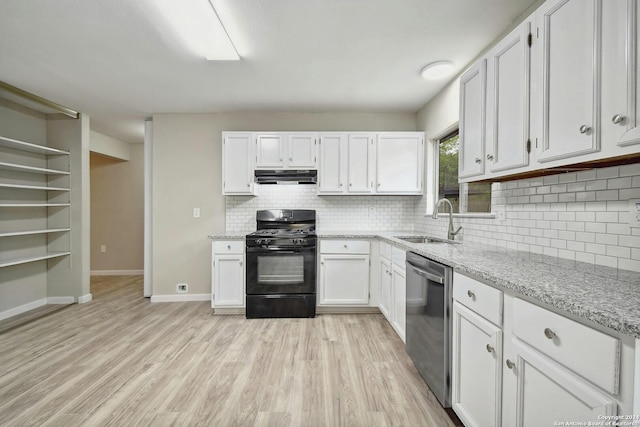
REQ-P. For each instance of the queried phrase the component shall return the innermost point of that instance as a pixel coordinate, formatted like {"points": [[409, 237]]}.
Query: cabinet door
{"points": [[344, 279], [473, 85], [385, 288], [332, 165], [360, 162], [269, 151], [508, 101], [399, 311], [546, 393], [228, 282], [620, 75], [570, 31], [476, 368], [399, 159], [301, 150], [237, 167]]}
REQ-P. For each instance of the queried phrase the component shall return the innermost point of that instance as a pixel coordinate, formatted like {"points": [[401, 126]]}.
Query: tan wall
{"points": [[117, 211], [187, 151]]}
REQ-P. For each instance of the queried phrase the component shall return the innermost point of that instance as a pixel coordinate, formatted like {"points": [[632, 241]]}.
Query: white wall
{"points": [[187, 152]]}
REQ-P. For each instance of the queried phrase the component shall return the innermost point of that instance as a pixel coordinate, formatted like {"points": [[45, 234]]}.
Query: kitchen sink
{"points": [[424, 239]]}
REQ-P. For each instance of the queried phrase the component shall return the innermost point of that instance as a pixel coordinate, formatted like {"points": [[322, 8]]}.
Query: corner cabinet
{"points": [[399, 162], [228, 276], [35, 183], [237, 163]]}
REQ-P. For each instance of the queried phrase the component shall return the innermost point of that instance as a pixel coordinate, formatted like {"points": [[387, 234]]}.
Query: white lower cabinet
{"points": [[476, 362], [393, 288], [546, 393], [399, 310], [385, 287], [344, 272], [228, 274]]}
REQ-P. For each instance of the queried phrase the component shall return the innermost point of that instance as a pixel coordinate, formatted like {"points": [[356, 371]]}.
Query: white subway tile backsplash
{"points": [[607, 261], [613, 172]]}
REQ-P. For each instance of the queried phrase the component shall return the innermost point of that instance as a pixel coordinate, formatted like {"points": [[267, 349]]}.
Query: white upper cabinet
{"points": [[290, 150], [270, 150], [237, 163], [473, 85], [569, 31], [301, 150], [620, 112], [360, 162], [332, 164], [399, 162], [507, 143]]}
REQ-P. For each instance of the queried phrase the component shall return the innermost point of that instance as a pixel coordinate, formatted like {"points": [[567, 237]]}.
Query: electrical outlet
{"points": [[634, 213], [196, 212], [182, 288], [103, 248]]}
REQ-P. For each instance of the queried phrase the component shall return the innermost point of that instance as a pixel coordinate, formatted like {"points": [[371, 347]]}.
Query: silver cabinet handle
{"points": [[345, 246], [240, 262], [510, 364], [378, 184], [584, 129], [248, 185], [489, 156], [340, 185], [617, 119], [350, 184], [489, 348], [229, 247], [549, 333], [478, 160], [471, 294]]}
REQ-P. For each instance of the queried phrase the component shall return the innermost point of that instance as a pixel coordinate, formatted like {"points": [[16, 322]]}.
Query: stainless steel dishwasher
{"points": [[429, 303]]}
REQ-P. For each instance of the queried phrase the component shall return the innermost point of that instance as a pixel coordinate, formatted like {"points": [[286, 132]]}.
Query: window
{"points": [[465, 198]]}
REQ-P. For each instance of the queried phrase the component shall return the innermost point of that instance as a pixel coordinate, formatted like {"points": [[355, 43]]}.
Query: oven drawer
{"points": [[483, 299], [586, 351], [344, 246], [228, 246]]}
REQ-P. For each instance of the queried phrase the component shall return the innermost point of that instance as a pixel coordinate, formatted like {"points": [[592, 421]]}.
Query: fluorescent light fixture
{"points": [[437, 70], [200, 27]]}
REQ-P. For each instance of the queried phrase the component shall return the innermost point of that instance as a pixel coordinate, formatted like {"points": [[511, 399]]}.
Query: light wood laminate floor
{"points": [[120, 360]]}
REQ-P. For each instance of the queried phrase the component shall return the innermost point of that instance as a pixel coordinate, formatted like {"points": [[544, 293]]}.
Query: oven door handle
{"points": [[426, 275], [282, 251]]}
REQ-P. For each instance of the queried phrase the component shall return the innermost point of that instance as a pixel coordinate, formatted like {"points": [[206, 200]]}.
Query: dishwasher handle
{"points": [[427, 275]]}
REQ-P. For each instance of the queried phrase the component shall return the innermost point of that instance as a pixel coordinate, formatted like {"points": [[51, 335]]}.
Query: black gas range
{"points": [[281, 264]]}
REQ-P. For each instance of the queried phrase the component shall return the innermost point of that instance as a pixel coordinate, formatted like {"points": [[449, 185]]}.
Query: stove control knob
{"points": [[298, 241]]}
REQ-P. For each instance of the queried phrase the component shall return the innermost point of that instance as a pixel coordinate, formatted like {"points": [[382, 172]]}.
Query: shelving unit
{"points": [[30, 178]]}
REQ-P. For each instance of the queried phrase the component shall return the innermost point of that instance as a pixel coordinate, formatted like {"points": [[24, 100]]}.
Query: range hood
{"points": [[286, 176]]}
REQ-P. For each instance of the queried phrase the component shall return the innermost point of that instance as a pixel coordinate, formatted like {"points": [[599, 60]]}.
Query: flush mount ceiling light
{"points": [[437, 70], [200, 27]]}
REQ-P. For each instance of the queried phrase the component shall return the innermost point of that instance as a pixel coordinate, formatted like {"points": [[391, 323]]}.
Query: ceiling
{"points": [[119, 61]]}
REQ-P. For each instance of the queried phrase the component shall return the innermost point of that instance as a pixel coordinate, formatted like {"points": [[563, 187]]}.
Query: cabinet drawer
{"points": [[398, 256], [385, 250], [586, 351], [483, 299], [344, 246], [228, 247]]}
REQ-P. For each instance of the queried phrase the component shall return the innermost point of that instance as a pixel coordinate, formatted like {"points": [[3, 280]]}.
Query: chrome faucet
{"points": [[450, 233]]}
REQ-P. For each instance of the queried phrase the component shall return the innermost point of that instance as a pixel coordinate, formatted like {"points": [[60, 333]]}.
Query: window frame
{"points": [[433, 178]]}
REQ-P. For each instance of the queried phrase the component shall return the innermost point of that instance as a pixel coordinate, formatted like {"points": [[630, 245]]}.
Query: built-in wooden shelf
{"points": [[29, 232], [34, 258], [31, 169], [29, 147], [33, 187]]}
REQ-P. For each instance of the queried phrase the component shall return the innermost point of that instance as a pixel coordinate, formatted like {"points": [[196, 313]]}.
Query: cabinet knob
{"points": [[510, 364], [229, 247], [340, 185], [471, 294], [489, 156], [585, 129], [345, 246], [549, 333], [240, 262], [489, 348], [350, 184], [378, 184], [280, 158], [248, 185], [291, 159], [617, 119], [478, 160]]}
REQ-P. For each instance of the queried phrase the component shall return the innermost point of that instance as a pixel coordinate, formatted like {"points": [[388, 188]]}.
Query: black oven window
{"points": [[281, 269]]}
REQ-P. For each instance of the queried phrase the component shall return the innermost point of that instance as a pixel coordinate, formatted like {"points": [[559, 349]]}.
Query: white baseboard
{"points": [[85, 298], [180, 297], [22, 308], [61, 300], [117, 272]]}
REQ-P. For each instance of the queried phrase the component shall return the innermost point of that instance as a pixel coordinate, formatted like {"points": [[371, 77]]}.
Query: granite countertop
{"points": [[607, 296]]}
